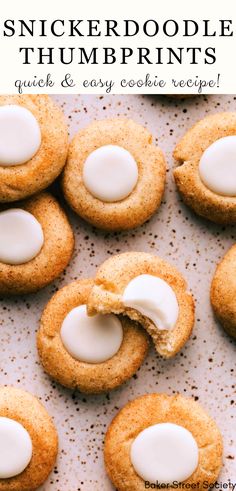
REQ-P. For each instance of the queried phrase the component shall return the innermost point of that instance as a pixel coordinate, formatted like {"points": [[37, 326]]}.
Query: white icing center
{"points": [[217, 166], [15, 448], [153, 298], [21, 236], [110, 173], [91, 339], [20, 135], [165, 453]]}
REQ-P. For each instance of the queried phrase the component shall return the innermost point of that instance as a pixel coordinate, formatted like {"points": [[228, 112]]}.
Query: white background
{"points": [[11, 60]]}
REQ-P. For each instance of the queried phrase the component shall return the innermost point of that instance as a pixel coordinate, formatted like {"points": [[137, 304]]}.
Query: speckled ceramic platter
{"points": [[206, 367]]}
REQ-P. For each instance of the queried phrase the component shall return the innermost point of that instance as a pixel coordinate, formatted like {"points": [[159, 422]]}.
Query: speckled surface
{"points": [[206, 367]]}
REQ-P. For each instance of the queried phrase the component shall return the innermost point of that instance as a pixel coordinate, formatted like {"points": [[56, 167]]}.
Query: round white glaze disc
{"points": [[15, 448], [217, 167], [154, 298], [164, 452], [21, 236], [20, 135], [91, 339], [110, 173]]}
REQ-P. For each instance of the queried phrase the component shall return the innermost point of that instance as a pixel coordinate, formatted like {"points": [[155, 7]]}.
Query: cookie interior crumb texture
{"points": [[73, 373], [116, 273]]}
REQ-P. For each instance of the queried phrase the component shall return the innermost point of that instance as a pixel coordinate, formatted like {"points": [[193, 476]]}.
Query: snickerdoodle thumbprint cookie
{"points": [[92, 354], [36, 244], [114, 176], [162, 440], [206, 172], [223, 292], [150, 291], [28, 441], [33, 145]]}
